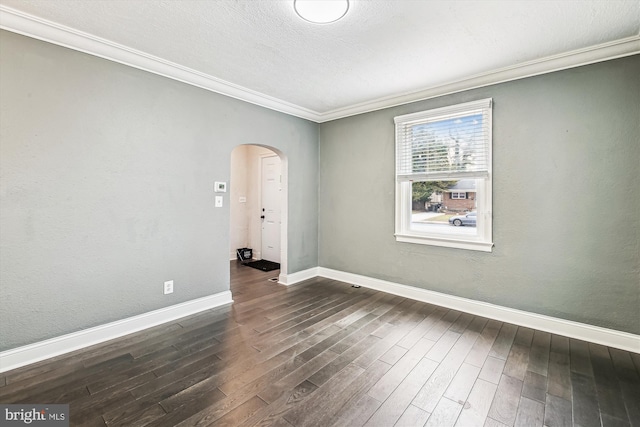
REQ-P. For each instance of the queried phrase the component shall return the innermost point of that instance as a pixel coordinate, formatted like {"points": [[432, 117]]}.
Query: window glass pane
{"points": [[444, 207]]}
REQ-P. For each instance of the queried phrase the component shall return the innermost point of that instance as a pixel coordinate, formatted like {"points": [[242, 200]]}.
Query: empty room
{"points": [[320, 213]]}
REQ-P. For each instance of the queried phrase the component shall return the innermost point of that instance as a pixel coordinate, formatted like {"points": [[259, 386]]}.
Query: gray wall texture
{"points": [[566, 199], [106, 177], [106, 186]]}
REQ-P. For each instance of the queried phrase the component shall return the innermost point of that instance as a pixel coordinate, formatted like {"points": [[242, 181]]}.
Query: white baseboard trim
{"points": [[298, 276], [568, 328], [42, 350]]}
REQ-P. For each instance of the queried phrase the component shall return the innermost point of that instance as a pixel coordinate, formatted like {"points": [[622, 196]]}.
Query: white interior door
{"points": [[271, 189]]}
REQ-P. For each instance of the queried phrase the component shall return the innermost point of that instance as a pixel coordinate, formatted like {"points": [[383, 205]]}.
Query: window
{"points": [[443, 177]]}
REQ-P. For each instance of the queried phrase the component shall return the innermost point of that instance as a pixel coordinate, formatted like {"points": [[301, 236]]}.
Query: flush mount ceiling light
{"points": [[321, 11]]}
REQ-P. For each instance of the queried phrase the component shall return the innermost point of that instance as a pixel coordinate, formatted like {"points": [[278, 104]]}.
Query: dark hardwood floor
{"points": [[323, 353]]}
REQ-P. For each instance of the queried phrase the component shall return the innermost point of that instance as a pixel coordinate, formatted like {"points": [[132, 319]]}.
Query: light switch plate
{"points": [[218, 201]]}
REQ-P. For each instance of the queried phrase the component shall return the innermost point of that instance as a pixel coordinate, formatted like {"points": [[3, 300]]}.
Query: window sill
{"points": [[472, 245]]}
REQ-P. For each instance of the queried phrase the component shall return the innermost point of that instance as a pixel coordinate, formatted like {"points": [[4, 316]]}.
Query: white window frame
{"points": [[458, 195], [482, 241]]}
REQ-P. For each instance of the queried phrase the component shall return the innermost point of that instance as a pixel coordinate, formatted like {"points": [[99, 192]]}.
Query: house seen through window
{"points": [[443, 176]]}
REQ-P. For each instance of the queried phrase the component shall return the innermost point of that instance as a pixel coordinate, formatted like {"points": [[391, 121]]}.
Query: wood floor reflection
{"points": [[323, 353]]}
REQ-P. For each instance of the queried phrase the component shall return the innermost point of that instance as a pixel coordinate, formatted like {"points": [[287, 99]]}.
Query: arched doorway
{"points": [[253, 184]]}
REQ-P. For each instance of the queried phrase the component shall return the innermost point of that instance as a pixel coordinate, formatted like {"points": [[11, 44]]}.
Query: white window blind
{"points": [[445, 143]]}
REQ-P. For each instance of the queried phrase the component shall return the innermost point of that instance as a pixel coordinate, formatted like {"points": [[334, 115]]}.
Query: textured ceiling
{"points": [[379, 49]]}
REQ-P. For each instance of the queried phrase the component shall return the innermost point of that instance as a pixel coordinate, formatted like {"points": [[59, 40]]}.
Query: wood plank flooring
{"points": [[324, 353]]}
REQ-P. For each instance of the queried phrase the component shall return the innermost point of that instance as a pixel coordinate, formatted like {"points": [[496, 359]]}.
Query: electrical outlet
{"points": [[168, 287]]}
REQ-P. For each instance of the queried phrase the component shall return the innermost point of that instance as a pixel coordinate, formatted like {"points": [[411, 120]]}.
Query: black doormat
{"points": [[263, 265]]}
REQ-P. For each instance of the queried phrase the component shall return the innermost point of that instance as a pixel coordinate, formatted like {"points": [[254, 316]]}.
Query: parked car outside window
{"points": [[468, 219]]}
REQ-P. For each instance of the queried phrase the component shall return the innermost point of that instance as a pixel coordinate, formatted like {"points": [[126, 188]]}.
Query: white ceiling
{"points": [[378, 51]]}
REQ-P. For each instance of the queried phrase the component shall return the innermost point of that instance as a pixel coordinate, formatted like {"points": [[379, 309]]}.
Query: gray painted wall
{"points": [[106, 186], [106, 176], [566, 199]]}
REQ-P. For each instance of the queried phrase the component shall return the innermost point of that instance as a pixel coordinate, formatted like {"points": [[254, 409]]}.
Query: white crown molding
{"points": [[32, 353], [582, 331], [28, 25], [577, 58]]}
